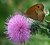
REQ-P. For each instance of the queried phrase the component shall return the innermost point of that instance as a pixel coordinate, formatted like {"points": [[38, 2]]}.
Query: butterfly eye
{"points": [[38, 6]]}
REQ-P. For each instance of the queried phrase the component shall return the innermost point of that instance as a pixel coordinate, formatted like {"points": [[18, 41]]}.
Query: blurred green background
{"points": [[8, 7]]}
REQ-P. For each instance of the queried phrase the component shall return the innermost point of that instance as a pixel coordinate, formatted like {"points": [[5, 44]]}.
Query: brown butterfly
{"points": [[36, 12]]}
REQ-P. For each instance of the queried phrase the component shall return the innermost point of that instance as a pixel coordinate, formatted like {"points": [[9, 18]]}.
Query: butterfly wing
{"points": [[36, 12]]}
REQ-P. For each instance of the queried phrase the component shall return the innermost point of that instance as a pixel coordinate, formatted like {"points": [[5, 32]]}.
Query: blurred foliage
{"points": [[42, 0], [8, 7], [38, 39]]}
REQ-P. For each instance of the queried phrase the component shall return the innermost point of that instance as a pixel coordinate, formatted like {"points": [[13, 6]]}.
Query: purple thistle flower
{"points": [[18, 28]]}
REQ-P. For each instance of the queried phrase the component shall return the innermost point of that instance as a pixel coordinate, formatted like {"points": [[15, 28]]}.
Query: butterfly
{"points": [[36, 12]]}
